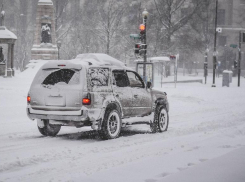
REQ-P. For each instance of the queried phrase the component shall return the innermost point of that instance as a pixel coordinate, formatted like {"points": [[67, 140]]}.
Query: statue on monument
{"points": [[2, 18], [1, 55], [46, 33]]}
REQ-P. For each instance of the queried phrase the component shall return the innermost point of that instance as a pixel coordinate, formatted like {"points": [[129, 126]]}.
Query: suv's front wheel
{"points": [[48, 129], [111, 125], [161, 119]]}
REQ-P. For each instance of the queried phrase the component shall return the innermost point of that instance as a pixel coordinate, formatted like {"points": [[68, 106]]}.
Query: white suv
{"points": [[94, 90]]}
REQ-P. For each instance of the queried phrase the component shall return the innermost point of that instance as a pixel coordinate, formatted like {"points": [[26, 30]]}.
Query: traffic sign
{"points": [[135, 36], [233, 45]]}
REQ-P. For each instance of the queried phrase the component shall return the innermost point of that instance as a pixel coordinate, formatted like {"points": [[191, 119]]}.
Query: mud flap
{"points": [[96, 125], [40, 123]]}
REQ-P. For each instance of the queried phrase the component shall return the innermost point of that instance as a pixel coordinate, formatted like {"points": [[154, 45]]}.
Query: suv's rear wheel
{"points": [[48, 129], [161, 119], [111, 125]]}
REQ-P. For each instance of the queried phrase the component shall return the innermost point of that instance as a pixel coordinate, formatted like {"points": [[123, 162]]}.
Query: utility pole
{"points": [[144, 14], [207, 50], [215, 53], [239, 57]]}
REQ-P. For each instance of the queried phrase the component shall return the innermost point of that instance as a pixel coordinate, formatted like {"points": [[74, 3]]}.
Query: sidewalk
{"points": [[198, 79], [180, 79]]}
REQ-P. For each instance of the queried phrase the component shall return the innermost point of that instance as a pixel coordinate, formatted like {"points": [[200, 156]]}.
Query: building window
{"points": [[221, 17], [230, 12]]}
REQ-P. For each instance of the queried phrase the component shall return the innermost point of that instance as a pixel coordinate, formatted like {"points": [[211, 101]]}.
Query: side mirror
{"points": [[148, 85]]}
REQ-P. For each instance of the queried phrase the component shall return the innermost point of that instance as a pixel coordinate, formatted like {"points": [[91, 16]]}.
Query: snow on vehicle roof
{"points": [[99, 59], [81, 60], [68, 64]]}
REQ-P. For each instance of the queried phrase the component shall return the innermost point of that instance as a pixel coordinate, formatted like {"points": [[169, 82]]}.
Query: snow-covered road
{"points": [[206, 133]]}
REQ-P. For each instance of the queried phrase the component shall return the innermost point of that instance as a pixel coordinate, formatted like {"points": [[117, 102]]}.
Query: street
{"points": [[205, 124]]}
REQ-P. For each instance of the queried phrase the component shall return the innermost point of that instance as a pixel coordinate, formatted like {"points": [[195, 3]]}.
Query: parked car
{"points": [[94, 90]]}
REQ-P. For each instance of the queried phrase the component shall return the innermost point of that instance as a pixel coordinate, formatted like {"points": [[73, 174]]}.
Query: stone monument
{"points": [[45, 46]]}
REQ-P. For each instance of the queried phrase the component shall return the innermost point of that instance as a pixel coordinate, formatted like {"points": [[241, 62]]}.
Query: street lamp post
{"points": [[214, 53], [144, 14], [226, 61], [239, 57], [206, 65], [58, 45]]}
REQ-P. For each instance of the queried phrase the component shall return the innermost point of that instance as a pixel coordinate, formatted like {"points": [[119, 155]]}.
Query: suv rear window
{"points": [[65, 76]]}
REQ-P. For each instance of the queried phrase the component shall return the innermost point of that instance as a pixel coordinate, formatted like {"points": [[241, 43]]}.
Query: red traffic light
{"points": [[137, 45], [142, 27], [172, 57]]}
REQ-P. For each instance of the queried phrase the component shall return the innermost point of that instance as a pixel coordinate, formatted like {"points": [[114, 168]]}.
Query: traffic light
{"points": [[205, 65], [143, 49], [142, 32], [172, 57], [140, 48], [235, 64], [137, 48]]}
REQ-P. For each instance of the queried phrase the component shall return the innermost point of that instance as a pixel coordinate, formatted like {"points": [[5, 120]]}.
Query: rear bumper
{"points": [[81, 114], [65, 116]]}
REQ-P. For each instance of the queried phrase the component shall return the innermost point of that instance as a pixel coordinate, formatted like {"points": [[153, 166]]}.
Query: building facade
{"points": [[231, 16]]}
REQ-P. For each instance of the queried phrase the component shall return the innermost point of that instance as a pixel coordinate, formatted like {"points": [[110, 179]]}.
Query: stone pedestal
{"points": [[45, 46], [2, 69]]}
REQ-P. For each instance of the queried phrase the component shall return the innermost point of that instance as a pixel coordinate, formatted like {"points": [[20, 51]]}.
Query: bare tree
{"points": [[173, 15], [109, 22]]}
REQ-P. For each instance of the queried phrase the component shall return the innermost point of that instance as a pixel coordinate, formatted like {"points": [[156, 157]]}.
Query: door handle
{"points": [[135, 96]]}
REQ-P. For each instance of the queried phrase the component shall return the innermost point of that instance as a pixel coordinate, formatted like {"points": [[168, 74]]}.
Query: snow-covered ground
{"points": [[205, 140]]}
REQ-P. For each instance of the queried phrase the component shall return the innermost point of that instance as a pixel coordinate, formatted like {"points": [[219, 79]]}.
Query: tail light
{"points": [[28, 99], [87, 99]]}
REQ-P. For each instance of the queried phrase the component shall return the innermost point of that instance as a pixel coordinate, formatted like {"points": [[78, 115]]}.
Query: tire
{"points": [[48, 129], [161, 120], [111, 125]]}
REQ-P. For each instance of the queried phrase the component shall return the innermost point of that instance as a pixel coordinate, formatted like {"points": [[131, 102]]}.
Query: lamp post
{"points": [[215, 53], [206, 65], [58, 45], [226, 61], [239, 58], [144, 14]]}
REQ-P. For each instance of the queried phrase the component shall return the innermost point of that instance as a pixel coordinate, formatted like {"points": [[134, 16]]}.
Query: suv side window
{"points": [[121, 78], [98, 76], [135, 80]]}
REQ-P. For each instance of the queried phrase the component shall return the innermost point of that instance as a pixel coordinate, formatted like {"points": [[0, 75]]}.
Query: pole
{"points": [[206, 66], [161, 74], [214, 53], [207, 50], [239, 58], [145, 56], [175, 70], [58, 53], [125, 54]]}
